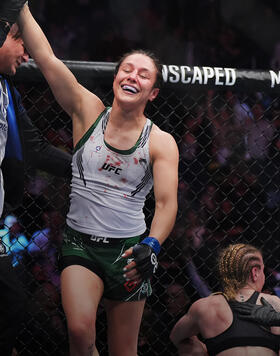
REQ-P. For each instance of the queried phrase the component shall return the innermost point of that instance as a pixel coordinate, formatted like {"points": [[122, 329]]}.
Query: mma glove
{"points": [[145, 256], [9, 12], [4, 30], [10, 9], [263, 314]]}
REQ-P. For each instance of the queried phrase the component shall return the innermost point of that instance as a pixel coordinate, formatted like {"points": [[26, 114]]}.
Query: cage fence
{"points": [[226, 123]]}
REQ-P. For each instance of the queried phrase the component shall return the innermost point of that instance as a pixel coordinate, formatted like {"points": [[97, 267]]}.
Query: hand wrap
{"points": [[263, 314], [145, 256], [10, 9]]}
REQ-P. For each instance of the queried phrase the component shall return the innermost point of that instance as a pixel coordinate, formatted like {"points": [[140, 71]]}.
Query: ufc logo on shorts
{"points": [[99, 239]]}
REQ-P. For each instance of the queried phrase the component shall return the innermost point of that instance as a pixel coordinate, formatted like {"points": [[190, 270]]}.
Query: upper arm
{"points": [[186, 327], [275, 302], [66, 89], [71, 95], [62, 82], [165, 158]]}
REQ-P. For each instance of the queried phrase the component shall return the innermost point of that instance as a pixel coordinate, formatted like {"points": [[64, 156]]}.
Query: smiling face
{"points": [[134, 82], [12, 53]]}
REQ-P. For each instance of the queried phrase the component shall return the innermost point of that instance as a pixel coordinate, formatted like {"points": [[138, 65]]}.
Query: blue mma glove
{"points": [[145, 256]]}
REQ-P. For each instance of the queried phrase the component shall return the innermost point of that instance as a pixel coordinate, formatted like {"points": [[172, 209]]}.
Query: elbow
{"points": [[171, 337], [170, 205], [174, 337]]}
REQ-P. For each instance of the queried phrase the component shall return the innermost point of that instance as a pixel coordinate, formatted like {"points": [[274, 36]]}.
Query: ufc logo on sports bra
{"points": [[110, 168]]}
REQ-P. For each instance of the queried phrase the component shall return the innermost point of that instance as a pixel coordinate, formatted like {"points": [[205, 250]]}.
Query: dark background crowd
{"points": [[229, 154], [205, 32]]}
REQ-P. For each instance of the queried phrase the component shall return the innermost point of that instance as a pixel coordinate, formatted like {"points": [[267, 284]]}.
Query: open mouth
{"points": [[130, 89]]}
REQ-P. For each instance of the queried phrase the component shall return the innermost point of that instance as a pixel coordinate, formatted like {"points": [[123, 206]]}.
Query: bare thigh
{"points": [[81, 292], [124, 320]]}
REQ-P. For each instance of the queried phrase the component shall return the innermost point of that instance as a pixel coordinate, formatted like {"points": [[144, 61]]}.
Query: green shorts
{"points": [[102, 256]]}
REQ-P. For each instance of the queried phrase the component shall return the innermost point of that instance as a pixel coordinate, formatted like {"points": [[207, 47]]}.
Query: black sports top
{"points": [[243, 333]]}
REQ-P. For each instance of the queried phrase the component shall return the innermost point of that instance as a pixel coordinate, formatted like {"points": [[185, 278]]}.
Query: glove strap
{"points": [[153, 243]]}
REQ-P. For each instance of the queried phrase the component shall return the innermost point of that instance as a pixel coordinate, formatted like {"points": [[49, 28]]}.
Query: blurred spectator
{"points": [[260, 134], [43, 248], [13, 239], [156, 342], [198, 283], [194, 231], [195, 151], [35, 201], [177, 300]]}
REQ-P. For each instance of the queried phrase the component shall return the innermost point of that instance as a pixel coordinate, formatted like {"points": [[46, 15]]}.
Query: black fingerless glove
{"points": [[263, 314], [145, 256], [9, 12], [10, 9]]}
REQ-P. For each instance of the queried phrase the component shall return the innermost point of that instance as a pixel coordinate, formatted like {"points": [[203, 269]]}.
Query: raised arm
{"points": [[74, 99]]}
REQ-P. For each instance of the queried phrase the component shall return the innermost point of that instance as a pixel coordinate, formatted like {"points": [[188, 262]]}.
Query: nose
{"points": [[133, 74]]}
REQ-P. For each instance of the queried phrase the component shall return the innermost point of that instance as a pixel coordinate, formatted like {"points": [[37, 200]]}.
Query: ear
{"points": [[255, 271], [154, 94]]}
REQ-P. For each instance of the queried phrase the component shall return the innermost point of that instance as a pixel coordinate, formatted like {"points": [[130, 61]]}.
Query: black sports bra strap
{"points": [[253, 298]]}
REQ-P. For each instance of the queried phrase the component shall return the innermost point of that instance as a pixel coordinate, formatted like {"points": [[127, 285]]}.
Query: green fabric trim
{"points": [[86, 136], [130, 150], [124, 152]]}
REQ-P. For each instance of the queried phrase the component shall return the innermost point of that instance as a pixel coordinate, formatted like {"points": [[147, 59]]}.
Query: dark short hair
{"points": [[158, 65]]}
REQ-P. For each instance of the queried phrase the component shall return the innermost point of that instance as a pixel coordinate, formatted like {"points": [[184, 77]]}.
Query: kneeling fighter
{"points": [[216, 318]]}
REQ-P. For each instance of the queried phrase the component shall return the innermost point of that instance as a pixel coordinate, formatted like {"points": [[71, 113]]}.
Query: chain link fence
{"points": [[226, 124]]}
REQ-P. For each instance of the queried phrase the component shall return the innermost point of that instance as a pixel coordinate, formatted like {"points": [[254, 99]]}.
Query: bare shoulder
{"points": [[211, 305], [203, 304], [162, 141], [88, 107], [159, 134]]}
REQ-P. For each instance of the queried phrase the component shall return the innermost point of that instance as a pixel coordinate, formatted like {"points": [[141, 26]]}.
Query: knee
{"points": [[82, 328]]}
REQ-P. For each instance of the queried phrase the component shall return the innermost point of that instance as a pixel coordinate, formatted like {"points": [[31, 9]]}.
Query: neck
{"points": [[248, 287], [123, 118], [245, 292], [127, 112]]}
